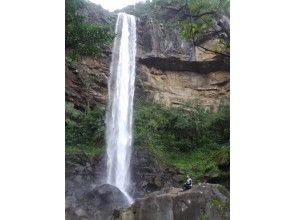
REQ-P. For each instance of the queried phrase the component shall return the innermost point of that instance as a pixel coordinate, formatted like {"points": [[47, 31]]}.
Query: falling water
{"points": [[119, 116]]}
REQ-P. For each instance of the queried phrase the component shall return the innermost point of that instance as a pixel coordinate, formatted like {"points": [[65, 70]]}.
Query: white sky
{"points": [[112, 5]]}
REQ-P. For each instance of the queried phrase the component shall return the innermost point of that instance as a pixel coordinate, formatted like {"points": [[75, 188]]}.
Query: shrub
{"points": [[84, 129], [176, 129]]}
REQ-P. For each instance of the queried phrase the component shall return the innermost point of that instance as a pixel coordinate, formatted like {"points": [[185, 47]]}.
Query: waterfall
{"points": [[119, 117]]}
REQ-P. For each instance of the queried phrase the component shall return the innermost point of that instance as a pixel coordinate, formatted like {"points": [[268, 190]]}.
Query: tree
{"points": [[202, 20], [82, 37]]}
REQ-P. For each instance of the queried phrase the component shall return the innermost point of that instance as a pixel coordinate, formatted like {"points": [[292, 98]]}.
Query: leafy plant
{"points": [[203, 216], [176, 129], [84, 130]]}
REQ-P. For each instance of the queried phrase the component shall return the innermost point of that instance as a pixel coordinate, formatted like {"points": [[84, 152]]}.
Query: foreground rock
{"points": [[85, 175], [98, 204], [203, 201]]}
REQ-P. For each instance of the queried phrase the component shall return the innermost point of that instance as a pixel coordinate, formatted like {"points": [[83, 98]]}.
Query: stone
{"points": [[144, 183], [80, 212], [211, 200], [147, 176], [98, 203], [157, 182]]}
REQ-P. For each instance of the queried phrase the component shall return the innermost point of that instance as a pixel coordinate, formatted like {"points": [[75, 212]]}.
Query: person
{"points": [[188, 184]]}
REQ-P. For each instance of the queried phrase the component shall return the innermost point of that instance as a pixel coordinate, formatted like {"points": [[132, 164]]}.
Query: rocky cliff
{"points": [[166, 70], [87, 196], [174, 82]]}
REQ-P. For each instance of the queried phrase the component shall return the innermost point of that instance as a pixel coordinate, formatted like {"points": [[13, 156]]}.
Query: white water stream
{"points": [[119, 117]]}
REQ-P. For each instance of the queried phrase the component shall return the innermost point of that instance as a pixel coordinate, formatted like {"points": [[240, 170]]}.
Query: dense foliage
{"points": [[203, 20], [84, 131], [172, 129], [195, 141], [175, 129], [81, 37]]}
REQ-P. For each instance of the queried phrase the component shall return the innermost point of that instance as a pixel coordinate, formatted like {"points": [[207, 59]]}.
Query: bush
{"points": [[84, 129], [176, 129]]}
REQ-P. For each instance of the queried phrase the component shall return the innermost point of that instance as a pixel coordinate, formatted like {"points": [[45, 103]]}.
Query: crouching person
{"points": [[188, 184]]}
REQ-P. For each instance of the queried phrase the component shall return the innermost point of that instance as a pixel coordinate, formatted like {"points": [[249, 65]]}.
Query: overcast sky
{"points": [[112, 5]]}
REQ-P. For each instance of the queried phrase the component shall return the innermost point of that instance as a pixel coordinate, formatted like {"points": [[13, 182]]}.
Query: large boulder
{"points": [[203, 201], [98, 204]]}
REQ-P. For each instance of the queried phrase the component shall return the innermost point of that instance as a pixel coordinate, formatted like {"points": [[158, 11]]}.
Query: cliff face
{"points": [[86, 81], [166, 70], [174, 82]]}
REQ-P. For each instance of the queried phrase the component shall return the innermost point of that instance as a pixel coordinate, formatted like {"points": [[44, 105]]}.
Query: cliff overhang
{"points": [[176, 64]]}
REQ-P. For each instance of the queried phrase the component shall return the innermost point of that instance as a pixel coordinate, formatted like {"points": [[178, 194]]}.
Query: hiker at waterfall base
{"points": [[188, 184]]}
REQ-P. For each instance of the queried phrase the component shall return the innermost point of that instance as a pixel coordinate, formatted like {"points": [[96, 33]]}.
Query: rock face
{"points": [[86, 81], [86, 195], [82, 176], [159, 40], [147, 176], [95, 14], [203, 201], [98, 203], [166, 80], [174, 82]]}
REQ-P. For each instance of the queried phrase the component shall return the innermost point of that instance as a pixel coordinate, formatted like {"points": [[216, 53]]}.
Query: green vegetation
{"points": [[195, 140], [203, 216], [198, 21], [222, 206], [81, 37], [202, 14], [178, 130], [84, 131]]}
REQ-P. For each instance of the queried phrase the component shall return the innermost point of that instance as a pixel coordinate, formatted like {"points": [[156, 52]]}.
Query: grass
{"points": [[198, 163]]}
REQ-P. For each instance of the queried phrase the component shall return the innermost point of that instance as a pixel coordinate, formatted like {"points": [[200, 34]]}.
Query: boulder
{"points": [[98, 203], [203, 201], [147, 175]]}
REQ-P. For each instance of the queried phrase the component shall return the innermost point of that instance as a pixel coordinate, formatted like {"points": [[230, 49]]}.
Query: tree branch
{"points": [[226, 55], [188, 14]]}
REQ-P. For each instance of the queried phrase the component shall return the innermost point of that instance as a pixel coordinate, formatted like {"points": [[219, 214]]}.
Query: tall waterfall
{"points": [[119, 117]]}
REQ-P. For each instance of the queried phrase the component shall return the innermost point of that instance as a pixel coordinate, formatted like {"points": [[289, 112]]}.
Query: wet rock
{"points": [[202, 200], [80, 213], [98, 203], [157, 182], [147, 175]]}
